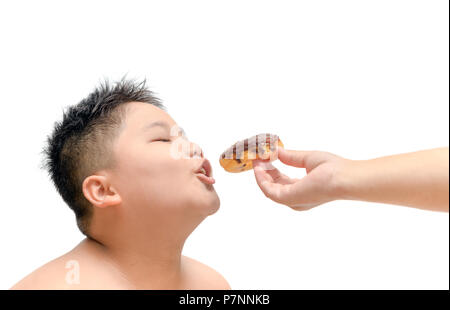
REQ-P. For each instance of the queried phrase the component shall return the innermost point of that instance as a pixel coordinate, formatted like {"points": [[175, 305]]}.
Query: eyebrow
{"points": [[161, 124]]}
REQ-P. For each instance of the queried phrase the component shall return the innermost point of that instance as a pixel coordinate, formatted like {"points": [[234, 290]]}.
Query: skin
{"points": [[145, 207], [418, 179]]}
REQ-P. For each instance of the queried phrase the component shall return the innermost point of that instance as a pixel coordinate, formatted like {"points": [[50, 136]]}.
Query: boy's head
{"points": [[112, 160]]}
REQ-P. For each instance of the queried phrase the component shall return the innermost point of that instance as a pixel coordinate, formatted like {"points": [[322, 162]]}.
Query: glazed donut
{"points": [[239, 156]]}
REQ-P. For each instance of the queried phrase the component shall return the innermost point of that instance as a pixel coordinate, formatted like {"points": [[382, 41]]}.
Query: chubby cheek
{"points": [[159, 181], [169, 179]]}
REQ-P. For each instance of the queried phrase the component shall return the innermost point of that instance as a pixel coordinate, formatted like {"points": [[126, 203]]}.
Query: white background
{"points": [[360, 79]]}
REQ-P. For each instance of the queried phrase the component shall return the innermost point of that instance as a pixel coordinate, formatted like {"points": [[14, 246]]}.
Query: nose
{"points": [[183, 148], [195, 150]]}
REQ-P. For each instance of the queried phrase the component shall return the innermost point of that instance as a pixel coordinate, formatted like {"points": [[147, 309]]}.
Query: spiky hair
{"points": [[81, 143]]}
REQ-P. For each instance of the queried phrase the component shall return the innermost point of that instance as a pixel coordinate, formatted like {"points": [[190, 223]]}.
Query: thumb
{"points": [[293, 158], [270, 189], [262, 178]]}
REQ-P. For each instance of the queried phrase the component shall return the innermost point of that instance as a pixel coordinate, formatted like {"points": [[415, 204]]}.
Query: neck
{"points": [[146, 257]]}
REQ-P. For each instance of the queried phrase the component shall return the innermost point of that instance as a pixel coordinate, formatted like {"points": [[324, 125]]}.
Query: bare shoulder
{"points": [[52, 275], [205, 276], [75, 270]]}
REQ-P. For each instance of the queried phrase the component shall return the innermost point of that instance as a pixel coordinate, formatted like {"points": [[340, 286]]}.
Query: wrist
{"points": [[345, 179]]}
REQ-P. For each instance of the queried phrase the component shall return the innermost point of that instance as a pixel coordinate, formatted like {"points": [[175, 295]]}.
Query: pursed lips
{"points": [[204, 172]]}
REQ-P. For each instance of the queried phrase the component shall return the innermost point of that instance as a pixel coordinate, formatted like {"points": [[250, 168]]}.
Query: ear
{"points": [[99, 192]]}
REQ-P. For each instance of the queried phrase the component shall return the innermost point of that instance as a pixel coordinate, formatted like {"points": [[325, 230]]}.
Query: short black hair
{"points": [[81, 143]]}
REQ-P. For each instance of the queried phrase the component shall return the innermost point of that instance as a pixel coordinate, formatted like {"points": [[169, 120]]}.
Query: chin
{"points": [[209, 204], [214, 207]]}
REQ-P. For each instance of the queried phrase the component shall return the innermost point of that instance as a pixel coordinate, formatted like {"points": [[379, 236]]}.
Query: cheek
{"points": [[168, 185], [155, 180], [168, 178]]}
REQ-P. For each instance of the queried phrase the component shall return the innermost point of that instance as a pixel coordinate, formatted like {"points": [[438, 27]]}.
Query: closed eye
{"points": [[162, 140]]}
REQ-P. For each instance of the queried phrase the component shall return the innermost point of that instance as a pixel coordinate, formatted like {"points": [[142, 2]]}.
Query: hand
{"points": [[317, 187]]}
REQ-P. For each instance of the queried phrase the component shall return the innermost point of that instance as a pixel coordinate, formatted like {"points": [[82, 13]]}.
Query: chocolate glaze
{"points": [[252, 144]]}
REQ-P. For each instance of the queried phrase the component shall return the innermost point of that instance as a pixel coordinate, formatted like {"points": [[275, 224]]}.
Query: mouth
{"points": [[204, 172]]}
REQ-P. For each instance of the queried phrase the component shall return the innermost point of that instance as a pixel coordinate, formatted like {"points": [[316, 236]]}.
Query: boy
{"points": [[112, 159]]}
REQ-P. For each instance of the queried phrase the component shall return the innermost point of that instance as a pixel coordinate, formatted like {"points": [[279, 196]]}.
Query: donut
{"points": [[239, 157]]}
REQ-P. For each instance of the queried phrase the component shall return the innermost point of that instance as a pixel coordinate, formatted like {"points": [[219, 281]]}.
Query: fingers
{"points": [[270, 189], [275, 185], [274, 175], [297, 194], [261, 175], [293, 158], [263, 164]]}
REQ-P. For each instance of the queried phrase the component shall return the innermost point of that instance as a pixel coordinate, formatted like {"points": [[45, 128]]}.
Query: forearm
{"points": [[419, 179]]}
